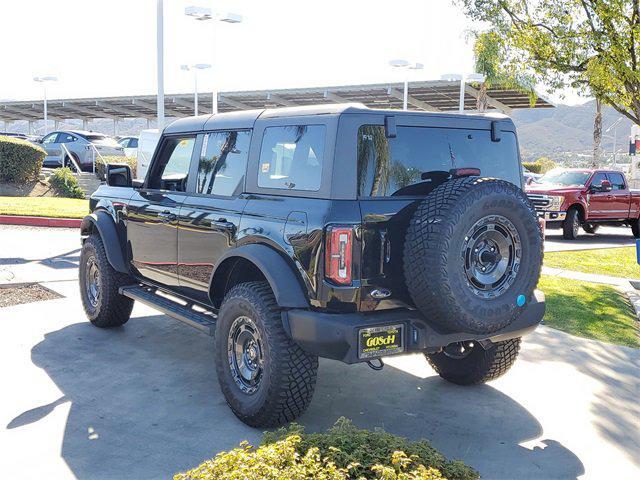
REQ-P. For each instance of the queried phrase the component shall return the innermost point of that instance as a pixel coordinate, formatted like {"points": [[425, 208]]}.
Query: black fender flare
{"points": [[106, 227], [281, 277]]}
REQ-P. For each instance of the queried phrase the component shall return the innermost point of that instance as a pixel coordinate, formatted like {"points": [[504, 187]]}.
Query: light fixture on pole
{"points": [[463, 79], [202, 14], [44, 79], [194, 68], [406, 65]]}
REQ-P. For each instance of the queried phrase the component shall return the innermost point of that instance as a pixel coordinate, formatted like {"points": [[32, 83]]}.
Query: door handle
{"points": [[167, 216], [222, 223]]}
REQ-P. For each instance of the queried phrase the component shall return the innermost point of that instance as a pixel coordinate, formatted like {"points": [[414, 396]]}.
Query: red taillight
{"points": [[339, 255]]}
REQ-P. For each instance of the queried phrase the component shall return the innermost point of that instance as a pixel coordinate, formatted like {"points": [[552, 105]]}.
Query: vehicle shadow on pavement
{"points": [[145, 403], [70, 259], [615, 409]]}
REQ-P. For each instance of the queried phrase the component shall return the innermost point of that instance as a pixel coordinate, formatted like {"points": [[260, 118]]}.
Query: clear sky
{"points": [[108, 47]]}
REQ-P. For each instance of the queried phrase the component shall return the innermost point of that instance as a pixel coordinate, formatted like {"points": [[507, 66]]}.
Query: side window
{"points": [[51, 138], [66, 138], [133, 143], [223, 163], [170, 170], [291, 157], [617, 181], [597, 180]]}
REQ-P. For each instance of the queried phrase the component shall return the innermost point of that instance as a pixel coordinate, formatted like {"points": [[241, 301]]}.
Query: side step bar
{"points": [[205, 322]]}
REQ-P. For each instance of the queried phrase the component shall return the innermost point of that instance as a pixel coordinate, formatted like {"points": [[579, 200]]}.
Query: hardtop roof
{"points": [[246, 118]]}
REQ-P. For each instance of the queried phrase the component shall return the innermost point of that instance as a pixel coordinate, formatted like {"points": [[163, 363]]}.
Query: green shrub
{"points": [[344, 452], [100, 166], [65, 183], [20, 161], [541, 165]]}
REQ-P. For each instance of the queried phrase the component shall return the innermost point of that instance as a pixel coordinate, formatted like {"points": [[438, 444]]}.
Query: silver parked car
{"points": [[81, 147]]}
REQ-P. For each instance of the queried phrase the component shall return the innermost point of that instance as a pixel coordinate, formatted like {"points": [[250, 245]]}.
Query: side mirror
{"points": [[605, 186], [119, 175]]}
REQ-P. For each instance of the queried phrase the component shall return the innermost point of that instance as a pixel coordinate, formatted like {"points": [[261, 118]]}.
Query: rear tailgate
{"points": [[384, 226]]}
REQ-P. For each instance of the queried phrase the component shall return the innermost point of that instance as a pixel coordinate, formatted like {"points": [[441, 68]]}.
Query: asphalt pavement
{"points": [[142, 401]]}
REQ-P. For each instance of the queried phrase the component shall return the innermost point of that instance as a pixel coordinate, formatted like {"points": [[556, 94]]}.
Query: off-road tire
{"points": [[591, 228], [479, 366], [635, 228], [112, 309], [289, 374], [571, 224], [434, 266]]}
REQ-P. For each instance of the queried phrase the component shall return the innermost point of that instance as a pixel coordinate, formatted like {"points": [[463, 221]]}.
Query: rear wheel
{"points": [[266, 379], [99, 284], [571, 224], [635, 228], [590, 228], [468, 363]]}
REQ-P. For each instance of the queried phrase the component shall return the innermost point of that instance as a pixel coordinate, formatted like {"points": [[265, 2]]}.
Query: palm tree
{"points": [[490, 60]]}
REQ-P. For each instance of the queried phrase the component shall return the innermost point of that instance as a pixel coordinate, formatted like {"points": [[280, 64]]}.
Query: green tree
{"points": [[490, 58], [590, 45]]}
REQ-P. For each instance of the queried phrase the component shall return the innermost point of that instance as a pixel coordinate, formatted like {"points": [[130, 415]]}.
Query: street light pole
{"points": [[160, 65], [195, 68], [202, 14], [44, 79], [406, 65]]}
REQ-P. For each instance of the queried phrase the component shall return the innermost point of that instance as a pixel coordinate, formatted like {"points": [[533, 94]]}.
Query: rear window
{"points": [[387, 165], [291, 157]]}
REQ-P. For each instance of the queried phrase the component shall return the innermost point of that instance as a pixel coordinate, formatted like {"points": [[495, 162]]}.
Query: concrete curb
{"points": [[40, 221]]}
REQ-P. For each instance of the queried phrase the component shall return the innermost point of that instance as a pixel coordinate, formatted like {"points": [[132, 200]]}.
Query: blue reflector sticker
{"points": [[521, 300]]}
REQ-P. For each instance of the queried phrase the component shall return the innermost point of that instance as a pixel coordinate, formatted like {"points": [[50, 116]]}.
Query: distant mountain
{"points": [[566, 131]]}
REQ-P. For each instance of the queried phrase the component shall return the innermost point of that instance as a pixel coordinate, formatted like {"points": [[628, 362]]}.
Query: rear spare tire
{"points": [[473, 254]]}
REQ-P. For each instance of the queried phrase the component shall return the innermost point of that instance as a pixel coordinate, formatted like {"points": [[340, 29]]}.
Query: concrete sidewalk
{"points": [[143, 402]]}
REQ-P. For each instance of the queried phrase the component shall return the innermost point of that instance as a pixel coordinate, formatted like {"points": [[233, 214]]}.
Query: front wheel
{"points": [[99, 285], [468, 363], [266, 379], [571, 224]]}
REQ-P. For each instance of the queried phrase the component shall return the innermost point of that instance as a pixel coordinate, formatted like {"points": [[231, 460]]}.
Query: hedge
{"points": [[65, 183], [100, 170], [541, 165], [20, 161], [344, 452]]}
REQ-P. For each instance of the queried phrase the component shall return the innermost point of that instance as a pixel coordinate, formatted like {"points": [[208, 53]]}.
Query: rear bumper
{"points": [[335, 336]]}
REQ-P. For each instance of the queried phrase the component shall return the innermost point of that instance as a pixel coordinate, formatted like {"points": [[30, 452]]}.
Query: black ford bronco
{"points": [[332, 231]]}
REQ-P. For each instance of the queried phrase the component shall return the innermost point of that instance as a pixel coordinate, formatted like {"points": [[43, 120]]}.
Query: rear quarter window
{"points": [[292, 157], [387, 165]]}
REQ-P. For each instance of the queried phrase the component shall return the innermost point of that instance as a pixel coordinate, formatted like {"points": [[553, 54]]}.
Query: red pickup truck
{"points": [[571, 198]]}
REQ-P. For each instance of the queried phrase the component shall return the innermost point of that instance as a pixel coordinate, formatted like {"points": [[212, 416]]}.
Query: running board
{"points": [[205, 322]]}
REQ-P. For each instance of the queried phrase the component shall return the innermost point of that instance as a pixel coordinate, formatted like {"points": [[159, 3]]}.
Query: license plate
{"points": [[380, 341]]}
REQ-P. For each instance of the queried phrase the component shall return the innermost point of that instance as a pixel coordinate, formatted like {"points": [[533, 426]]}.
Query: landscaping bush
{"points": [[541, 165], [100, 166], [65, 183], [344, 452], [20, 161]]}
